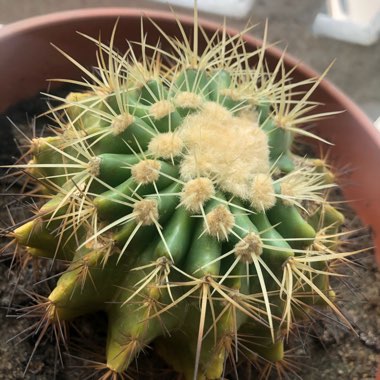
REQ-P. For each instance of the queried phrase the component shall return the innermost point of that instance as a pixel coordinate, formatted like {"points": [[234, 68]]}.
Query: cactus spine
{"points": [[176, 199]]}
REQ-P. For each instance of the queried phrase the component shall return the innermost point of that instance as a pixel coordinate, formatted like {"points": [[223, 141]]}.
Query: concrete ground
{"points": [[356, 70]]}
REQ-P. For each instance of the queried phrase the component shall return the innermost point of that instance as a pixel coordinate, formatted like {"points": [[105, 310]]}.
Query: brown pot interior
{"points": [[28, 59]]}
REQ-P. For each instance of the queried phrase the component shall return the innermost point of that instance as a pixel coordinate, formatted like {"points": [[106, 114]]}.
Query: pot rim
{"points": [[23, 26]]}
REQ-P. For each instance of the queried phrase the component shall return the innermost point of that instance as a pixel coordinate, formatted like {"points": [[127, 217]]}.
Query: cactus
{"points": [[174, 194]]}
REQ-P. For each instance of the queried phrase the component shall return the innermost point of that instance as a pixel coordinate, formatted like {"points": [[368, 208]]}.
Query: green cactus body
{"points": [[184, 214]]}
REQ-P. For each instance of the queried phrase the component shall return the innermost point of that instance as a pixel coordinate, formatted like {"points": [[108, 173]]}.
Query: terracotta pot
{"points": [[28, 59]]}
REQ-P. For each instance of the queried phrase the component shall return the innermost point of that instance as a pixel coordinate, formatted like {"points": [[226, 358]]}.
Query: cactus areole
{"points": [[175, 196]]}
